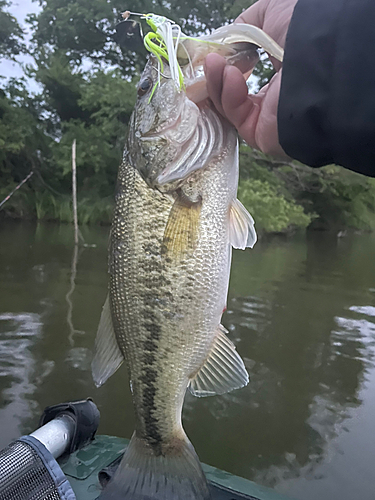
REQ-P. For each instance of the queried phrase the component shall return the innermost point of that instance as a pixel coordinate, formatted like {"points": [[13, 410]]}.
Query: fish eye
{"points": [[144, 86]]}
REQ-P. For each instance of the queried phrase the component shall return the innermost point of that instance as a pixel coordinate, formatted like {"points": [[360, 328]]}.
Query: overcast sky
{"points": [[19, 9]]}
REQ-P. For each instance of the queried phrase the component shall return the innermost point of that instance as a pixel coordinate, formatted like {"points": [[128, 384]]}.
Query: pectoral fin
{"points": [[181, 232], [241, 227], [108, 357], [223, 370]]}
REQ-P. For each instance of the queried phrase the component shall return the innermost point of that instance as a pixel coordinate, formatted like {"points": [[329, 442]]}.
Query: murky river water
{"points": [[301, 312]]}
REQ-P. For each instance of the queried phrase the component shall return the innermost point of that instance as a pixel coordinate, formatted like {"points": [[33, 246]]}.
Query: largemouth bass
{"points": [[175, 223]]}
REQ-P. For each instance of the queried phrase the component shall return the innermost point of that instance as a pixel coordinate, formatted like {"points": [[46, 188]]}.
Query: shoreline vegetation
{"points": [[85, 88], [283, 197]]}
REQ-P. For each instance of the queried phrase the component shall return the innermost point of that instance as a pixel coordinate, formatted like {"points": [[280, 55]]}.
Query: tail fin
{"points": [[142, 475]]}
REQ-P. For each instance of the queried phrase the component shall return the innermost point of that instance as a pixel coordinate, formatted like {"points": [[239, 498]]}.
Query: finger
{"points": [[254, 14], [239, 108], [214, 70]]}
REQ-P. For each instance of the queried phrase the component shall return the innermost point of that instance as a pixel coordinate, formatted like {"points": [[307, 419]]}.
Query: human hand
{"points": [[254, 116]]}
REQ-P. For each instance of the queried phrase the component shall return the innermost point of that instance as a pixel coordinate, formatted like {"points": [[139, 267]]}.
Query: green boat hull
{"points": [[83, 466]]}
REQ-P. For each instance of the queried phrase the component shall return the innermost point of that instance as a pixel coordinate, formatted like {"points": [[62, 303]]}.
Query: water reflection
{"points": [[301, 313], [39, 367], [19, 374], [291, 316], [79, 358]]}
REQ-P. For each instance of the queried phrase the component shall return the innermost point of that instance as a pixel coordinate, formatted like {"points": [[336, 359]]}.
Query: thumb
{"points": [[254, 14]]}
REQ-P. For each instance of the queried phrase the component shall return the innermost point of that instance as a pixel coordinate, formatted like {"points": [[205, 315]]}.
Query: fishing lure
{"points": [[165, 41], [162, 41]]}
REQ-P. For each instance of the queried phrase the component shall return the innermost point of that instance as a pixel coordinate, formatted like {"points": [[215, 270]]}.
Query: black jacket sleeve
{"points": [[327, 100]]}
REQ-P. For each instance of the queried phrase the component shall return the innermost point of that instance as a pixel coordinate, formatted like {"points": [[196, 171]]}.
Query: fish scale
{"points": [[152, 291]]}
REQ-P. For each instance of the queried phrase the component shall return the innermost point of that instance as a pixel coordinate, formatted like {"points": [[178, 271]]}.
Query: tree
{"points": [[105, 101], [88, 93], [11, 34], [84, 29], [83, 96], [24, 143]]}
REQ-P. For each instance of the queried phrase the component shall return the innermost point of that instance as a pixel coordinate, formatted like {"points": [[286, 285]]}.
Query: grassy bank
{"points": [[46, 206]]}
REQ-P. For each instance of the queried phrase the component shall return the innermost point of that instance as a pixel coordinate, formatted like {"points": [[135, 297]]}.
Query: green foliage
{"points": [[266, 196], [11, 34], [332, 198], [264, 71], [61, 84], [83, 97], [108, 101], [87, 93], [80, 28], [84, 28], [23, 142], [20, 204], [59, 208], [341, 198], [255, 165], [26, 143], [98, 211], [272, 212]]}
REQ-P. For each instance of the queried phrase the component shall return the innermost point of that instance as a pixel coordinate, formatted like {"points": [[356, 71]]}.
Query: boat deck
{"points": [[83, 466]]}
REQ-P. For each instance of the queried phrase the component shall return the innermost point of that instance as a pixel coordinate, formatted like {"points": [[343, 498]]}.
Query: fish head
{"points": [[175, 131], [162, 129]]}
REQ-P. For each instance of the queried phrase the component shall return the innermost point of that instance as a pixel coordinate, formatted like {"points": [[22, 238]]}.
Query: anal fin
{"points": [[223, 370], [108, 357]]}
